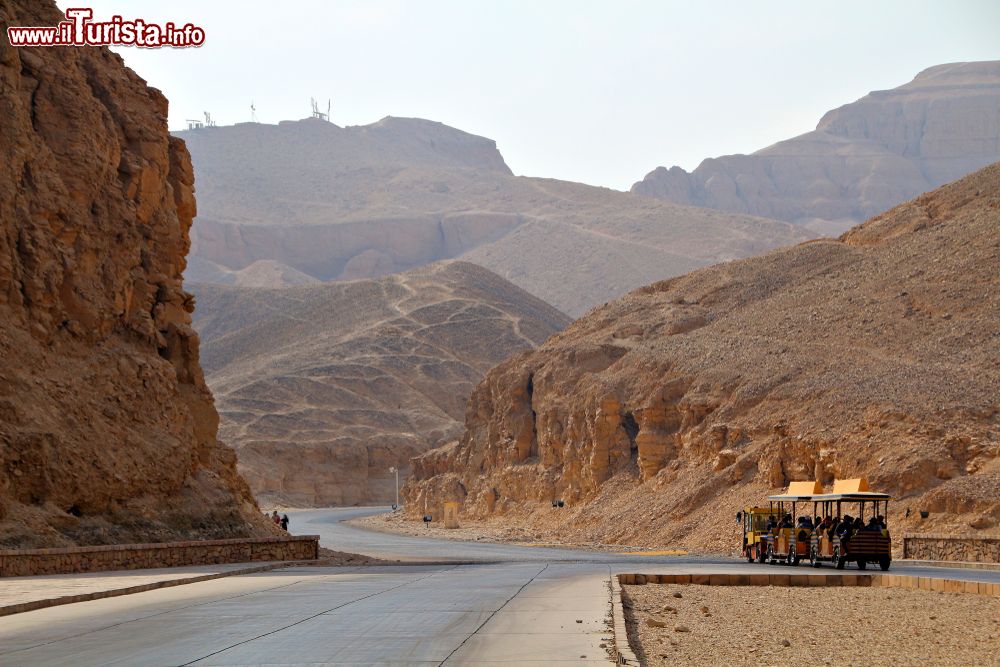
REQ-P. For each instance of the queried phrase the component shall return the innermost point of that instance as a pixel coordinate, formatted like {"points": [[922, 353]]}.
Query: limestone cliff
{"points": [[863, 157], [655, 416], [107, 429]]}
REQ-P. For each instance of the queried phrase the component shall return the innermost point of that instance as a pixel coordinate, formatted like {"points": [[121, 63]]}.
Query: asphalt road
{"points": [[514, 605], [343, 537]]}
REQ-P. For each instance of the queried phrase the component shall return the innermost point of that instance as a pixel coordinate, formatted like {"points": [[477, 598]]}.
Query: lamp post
{"points": [[396, 470]]}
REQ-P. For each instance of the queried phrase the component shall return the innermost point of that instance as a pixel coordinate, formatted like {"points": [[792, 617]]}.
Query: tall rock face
{"points": [[657, 415], [311, 200], [863, 158], [107, 429], [323, 388]]}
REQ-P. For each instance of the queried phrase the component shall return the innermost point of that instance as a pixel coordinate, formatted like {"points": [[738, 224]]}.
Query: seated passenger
{"points": [[771, 523], [874, 526], [881, 520], [786, 521]]}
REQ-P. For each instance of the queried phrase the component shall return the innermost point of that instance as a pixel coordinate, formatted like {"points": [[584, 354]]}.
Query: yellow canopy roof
{"points": [[804, 488], [859, 485]]}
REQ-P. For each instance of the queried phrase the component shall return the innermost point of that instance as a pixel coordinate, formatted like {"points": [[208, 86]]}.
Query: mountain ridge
{"points": [[863, 157], [344, 203]]}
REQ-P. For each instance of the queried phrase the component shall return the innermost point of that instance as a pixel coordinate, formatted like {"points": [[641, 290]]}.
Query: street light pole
{"points": [[396, 470]]}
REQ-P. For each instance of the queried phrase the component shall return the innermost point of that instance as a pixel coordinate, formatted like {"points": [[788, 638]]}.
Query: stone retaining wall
{"points": [[21, 562], [940, 546]]}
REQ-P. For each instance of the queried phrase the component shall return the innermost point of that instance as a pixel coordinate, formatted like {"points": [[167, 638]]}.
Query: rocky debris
{"points": [[842, 626], [863, 157], [874, 355], [323, 388], [107, 430], [334, 203]]}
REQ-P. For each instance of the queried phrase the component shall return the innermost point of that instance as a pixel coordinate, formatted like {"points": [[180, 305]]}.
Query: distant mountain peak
{"points": [[862, 158]]}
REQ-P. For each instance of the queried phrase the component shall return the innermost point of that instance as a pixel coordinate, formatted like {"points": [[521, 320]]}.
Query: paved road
{"points": [[343, 537], [529, 605]]}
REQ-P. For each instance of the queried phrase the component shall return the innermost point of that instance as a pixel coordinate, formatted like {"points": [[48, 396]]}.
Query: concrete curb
{"points": [[142, 588], [817, 580], [623, 652]]}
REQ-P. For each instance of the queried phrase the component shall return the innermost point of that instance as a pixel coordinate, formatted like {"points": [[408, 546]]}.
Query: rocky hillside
{"points": [[863, 158], [655, 416], [323, 388], [335, 203], [107, 430]]}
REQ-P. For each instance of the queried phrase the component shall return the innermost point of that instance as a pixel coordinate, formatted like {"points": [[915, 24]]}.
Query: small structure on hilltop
{"points": [[196, 124], [316, 113]]}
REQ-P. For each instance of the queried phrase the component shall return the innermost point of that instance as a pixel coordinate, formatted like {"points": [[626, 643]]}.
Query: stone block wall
{"points": [[21, 562], [940, 546]]}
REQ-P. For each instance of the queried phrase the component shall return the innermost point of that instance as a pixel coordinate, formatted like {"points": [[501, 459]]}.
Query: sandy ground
{"points": [[749, 625], [502, 531]]}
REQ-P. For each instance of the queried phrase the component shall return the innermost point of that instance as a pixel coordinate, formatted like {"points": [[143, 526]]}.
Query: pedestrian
{"points": [[275, 518], [284, 522]]}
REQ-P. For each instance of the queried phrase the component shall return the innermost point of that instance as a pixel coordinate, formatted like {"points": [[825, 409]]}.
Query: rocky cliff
{"points": [[107, 430], [655, 416], [863, 157], [323, 388], [343, 203]]}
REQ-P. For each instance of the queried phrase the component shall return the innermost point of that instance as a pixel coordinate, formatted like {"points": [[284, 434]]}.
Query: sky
{"points": [[596, 92]]}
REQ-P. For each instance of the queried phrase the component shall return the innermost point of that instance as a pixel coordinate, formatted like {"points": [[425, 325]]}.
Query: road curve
{"points": [[507, 604]]}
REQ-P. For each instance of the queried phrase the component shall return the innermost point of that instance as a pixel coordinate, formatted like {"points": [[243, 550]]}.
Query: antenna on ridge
{"points": [[316, 113], [253, 112], [208, 120]]}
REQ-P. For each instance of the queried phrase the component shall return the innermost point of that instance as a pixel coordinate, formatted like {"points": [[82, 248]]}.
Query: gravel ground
{"points": [[750, 625]]}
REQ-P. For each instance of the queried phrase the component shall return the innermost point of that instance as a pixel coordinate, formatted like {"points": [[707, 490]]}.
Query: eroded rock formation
{"points": [[323, 388], [107, 429], [863, 157], [655, 416]]}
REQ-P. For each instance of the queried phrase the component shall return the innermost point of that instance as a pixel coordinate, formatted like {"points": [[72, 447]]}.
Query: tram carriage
{"points": [[764, 542]]}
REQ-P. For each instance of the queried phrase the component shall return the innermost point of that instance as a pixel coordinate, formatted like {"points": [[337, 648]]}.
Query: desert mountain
{"points": [[862, 158], [107, 430], [322, 388], [655, 416], [341, 203]]}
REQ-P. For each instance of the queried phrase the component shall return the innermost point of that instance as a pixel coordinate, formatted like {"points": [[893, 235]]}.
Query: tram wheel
{"points": [[838, 560]]}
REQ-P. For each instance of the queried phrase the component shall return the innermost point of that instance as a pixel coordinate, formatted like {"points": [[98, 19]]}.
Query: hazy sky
{"points": [[599, 92]]}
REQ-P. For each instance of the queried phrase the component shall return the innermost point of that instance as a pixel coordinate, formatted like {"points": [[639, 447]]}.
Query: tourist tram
{"points": [[778, 533]]}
